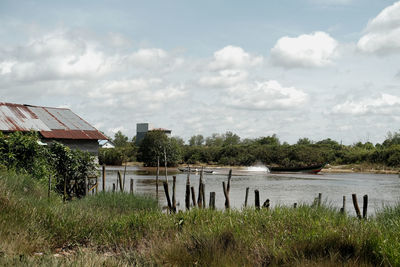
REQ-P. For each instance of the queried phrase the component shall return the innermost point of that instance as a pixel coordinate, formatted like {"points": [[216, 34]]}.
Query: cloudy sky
{"points": [[296, 68]]}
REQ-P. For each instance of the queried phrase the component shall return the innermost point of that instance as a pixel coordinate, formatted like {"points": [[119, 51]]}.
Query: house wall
{"points": [[91, 146]]}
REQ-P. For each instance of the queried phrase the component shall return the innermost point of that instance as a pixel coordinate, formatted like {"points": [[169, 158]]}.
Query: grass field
{"points": [[121, 229]]}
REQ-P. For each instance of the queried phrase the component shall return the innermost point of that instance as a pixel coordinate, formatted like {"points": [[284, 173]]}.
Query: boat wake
{"points": [[257, 169]]}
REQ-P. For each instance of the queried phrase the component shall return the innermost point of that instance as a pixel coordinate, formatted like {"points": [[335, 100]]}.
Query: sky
{"points": [[312, 69]]}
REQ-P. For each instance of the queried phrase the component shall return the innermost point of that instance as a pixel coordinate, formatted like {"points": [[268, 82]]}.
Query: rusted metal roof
{"points": [[53, 123]]}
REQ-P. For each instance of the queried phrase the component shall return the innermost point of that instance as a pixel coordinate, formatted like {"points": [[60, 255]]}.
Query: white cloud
{"points": [[307, 50], [382, 34], [268, 95], [233, 57], [384, 104], [58, 55], [225, 78]]}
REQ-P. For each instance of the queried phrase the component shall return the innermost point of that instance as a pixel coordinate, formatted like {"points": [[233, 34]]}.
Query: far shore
{"points": [[353, 168]]}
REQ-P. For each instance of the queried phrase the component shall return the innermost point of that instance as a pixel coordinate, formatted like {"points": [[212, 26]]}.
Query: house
{"points": [[106, 144], [52, 124], [143, 128]]}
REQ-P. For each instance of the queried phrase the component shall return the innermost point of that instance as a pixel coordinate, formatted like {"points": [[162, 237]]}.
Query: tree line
{"points": [[230, 149]]}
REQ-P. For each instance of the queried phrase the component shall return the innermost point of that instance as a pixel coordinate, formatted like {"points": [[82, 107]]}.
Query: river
{"points": [[281, 189]]}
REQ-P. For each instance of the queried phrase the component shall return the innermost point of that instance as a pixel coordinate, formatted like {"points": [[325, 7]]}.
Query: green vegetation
{"points": [[123, 229], [230, 149], [22, 152]]}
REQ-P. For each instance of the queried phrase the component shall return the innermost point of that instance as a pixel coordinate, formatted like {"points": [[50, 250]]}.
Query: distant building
{"points": [[52, 124], [143, 128], [106, 144]]}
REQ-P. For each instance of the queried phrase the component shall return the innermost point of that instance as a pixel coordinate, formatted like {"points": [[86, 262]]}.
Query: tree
{"points": [[231, 139], [304, 141], [153, 146], [269, 140], [215, 140], [120, 140], [196, 140]]}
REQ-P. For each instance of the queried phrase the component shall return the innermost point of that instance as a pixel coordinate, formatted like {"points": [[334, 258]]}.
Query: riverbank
{"points": [[121, 229], [351, 168]]}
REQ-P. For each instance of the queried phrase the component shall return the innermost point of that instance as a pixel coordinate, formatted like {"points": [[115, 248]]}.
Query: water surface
{"points": [[281, 189]]}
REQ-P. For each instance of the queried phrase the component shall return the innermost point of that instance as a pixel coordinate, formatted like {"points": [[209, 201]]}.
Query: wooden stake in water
{"points": [[173, 194], [355, 203], [157, 174], [365, 206], [257, 199], [120, 181], [246, 197], [193, 196], [203, 195], [166, 190], [104, 178], [199, 198], [165, 164], [187, 194], [124, 176], [343, 208], [319, 199], [227, 202], [212, 201], [131, 187]]}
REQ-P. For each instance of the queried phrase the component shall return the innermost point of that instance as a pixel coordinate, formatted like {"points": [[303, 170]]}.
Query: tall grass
{"points": [[123, 229]]}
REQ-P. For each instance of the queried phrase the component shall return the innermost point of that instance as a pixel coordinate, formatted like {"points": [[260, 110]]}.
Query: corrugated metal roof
{"points": [[55, 123]]}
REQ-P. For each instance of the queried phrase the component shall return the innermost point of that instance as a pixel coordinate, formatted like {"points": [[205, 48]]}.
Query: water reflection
{"points": [[281, 189]]}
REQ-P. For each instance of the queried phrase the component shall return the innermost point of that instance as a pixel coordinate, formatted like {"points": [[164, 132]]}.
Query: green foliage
{"points": [[196, 140], [120, 140], [22, 153], [155, 146], [71, 169]]}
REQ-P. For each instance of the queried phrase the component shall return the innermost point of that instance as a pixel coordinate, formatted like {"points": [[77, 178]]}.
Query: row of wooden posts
{"points": [[190, 194], [201, 203]]}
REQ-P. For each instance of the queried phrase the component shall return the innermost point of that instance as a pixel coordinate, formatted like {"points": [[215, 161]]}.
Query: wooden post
{"points": [[157, 174], [266, 204], [203, 195], [131, 187], [343, 208], [257, 199], [227, 204], [49, 189], [199, 198], [247, 195], [212, 201], [173, 193], [123, 185], [355, 203], [104, 178], [187, 194], [166, 190], [193, 196], [365, 206], [228, 187], [97, 185], [295, 205], [120, 181], [319, 199], [165, 164], [113, 188]]}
